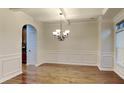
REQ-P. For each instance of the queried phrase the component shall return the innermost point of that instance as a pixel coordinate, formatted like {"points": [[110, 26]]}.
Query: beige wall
{"points": [[11, 24], [79, 48], [83, 35]]}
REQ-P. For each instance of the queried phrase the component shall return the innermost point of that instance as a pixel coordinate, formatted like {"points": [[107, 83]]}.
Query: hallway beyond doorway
{"points": [[29, 47]]}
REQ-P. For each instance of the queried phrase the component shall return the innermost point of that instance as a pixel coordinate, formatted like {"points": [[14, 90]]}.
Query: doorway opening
{"points": [[28, 45]]}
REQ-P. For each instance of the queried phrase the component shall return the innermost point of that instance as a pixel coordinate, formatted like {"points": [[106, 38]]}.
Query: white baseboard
{"points": [[83, 64], [105, 69], [9, 76], [119, 74], [38, 64]]}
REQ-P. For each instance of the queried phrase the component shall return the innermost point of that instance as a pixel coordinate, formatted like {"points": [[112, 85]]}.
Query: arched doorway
{"points": [[29, 45]]}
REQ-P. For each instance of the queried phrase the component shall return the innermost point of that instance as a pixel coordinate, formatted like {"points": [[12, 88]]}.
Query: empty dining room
{"points": [[61, 46]]}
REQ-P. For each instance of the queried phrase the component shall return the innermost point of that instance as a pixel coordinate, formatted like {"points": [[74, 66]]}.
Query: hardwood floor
{"points": [[64, 74]]}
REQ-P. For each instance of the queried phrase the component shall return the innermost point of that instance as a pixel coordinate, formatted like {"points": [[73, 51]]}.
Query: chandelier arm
{"points": [[61, 24]]}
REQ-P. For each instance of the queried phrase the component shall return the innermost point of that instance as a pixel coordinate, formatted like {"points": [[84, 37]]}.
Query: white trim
{"points": [[105, 69], [82, 64], [118, 68], [9, 55], [37, 65], [13, 70], [119, 16], [118, 73], [104, 10], [10, 75], [106, 62]]}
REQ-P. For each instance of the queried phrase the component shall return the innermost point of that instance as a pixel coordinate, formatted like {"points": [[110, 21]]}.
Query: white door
{"points": [[31, 45]]}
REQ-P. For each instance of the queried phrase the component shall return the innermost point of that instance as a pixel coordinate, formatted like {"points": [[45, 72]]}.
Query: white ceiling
{"points": [[52, 14]]}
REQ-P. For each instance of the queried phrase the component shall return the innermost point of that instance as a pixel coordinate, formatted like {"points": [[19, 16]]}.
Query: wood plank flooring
{"points": [[64, 74]]}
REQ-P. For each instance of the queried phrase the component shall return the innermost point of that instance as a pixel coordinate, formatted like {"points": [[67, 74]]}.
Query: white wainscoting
{"points": [[107, 61], [77, 57], [10, 66], [0, 69], [119, 69]]}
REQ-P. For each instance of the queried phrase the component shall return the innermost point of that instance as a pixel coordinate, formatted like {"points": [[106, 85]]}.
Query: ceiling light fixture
{"points": [[59, 33]]}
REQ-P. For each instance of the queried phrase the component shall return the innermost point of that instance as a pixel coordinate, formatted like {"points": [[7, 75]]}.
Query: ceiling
{"points": [[52, 14]]}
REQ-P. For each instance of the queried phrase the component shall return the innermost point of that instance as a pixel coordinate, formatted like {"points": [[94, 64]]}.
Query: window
{"points": [[120, 25], [120, 43]]}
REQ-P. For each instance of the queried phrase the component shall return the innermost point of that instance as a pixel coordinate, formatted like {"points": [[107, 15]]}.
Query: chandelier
{"points": [[61, 34]]}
